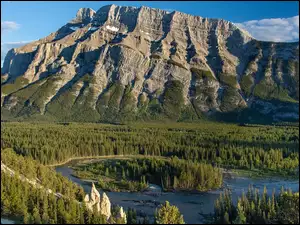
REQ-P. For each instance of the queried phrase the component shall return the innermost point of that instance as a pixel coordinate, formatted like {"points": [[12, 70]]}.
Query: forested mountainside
{"points": [[127, 63], [38, 195]]}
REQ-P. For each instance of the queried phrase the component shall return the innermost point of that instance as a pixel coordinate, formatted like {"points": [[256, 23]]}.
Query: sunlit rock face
{"points": [[105, 206], [102, 204], [119, 61], [122, 215], [95, 195]]}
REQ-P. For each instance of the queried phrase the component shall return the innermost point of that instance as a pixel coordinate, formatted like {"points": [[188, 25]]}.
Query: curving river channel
{"points": [[7, 221], [193, 206]]}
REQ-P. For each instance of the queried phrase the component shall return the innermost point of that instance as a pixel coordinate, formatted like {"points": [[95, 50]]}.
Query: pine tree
{"points": [[226, 218], [175, 182], [106, 172], [36, 216], [241, 218], [168, 214], [123, 174], [26, 217], [60, 211], [45, 218]]}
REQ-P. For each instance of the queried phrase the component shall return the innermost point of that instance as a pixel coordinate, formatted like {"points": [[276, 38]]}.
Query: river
{"points": [[192, 206], [7, 221]]}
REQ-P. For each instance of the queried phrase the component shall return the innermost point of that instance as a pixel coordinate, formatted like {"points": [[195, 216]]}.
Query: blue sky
{"points": [[27, 21]]}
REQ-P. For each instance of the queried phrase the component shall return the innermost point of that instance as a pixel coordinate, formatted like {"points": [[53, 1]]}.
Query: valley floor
{"points": [[196, 207], [192, 163]]}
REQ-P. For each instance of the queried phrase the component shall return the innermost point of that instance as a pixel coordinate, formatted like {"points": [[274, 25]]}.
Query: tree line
{"points": [[36, 205], [33, 205], [233, 146], [173, 174], [255, 208]]}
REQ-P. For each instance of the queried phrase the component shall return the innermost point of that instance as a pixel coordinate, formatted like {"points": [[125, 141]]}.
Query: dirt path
{"points": [[106, 157]]}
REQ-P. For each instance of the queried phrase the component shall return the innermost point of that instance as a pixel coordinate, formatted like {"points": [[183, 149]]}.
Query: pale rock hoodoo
{"points": [[105, 206], [102, 204], [95, 195], [122, 215]]}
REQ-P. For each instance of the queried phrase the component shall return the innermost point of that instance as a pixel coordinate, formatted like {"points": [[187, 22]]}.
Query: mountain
{"points": [[127, 63]]}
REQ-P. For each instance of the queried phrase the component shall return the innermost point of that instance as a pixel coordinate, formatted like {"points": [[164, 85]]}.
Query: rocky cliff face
{"points": [[122, 215], [126, 63], [102, 204]]}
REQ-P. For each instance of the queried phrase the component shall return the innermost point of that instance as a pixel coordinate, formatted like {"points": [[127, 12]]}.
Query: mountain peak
{"points": [[84, 15], [143, 52]]}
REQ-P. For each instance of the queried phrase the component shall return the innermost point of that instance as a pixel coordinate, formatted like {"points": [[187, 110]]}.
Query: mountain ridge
{"points": [[122, 63]]}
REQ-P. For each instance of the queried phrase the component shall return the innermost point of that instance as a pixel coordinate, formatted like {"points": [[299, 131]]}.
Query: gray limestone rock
{"points": [[136, 51]]}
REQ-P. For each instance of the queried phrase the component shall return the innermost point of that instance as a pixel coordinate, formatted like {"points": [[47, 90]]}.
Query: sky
{"points": [[26, 21]]}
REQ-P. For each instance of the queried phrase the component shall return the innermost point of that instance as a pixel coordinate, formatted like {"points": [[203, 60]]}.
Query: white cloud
{"points": [[169, 10], [15, 42], [9, 25], [275, 29]]}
